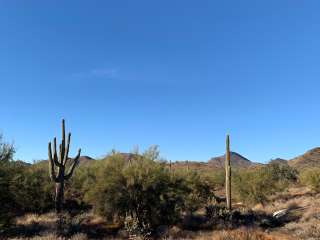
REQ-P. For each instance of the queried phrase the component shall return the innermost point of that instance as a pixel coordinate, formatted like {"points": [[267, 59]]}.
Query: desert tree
{"points": [[6, 150]]}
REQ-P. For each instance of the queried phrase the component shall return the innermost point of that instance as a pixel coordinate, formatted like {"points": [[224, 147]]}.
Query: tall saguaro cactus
{"points": [[59, 163], [228, 174]]}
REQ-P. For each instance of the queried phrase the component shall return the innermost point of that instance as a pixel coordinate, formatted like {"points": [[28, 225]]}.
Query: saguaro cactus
{"points": [[59, 163], [228, 174]]}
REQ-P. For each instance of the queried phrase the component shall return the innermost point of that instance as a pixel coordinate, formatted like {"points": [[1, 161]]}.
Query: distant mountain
{"points": [[278, 161], [21, 163], [309, 159], [128, 156], [195, 165], [236, 160], [85, 160]]}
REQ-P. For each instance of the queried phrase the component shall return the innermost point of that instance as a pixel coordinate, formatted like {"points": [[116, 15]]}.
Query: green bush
{"points": [[199, 190], [32, 189], [77, 188], [7, 150], [257, 185], [142, 188], [6, 199], [143, 193], [311, 178]]}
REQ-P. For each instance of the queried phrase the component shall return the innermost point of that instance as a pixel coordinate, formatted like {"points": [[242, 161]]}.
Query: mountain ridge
{"points": [[310, 158]]}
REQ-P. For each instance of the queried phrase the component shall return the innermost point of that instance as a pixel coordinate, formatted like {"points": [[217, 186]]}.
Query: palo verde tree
{"points": [[59, 163], [6, 150]]}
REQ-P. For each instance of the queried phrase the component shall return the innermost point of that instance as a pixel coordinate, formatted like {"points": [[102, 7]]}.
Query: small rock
{"points": [[280, 213]]}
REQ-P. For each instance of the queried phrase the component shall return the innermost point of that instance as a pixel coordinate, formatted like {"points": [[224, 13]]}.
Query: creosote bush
{"points": [[144, 193], [32, 190], [311, 178], [256, 185], [141, 188]]}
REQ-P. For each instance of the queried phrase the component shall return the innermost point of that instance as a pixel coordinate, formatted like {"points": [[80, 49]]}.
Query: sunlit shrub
{"points": [[311, 178], [256, 185]]}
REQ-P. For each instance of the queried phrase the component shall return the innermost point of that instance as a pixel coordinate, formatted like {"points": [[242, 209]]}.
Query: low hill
{"points": [[236, 160], [85, 160], [195, 165], [278, 161], [309, 159]]}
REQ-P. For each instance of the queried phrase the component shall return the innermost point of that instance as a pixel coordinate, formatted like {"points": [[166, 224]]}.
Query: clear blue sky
{"points": [[180, 74]]}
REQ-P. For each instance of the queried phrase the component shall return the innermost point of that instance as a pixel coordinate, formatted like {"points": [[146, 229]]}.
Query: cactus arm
{"points": [[61, 154], [55, 156], [74, 164], [67, 150], [63, 142], [51, 164]]}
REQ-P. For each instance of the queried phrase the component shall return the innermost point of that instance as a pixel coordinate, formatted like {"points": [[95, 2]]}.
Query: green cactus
{"points": [[59, 163], [228, 174]]}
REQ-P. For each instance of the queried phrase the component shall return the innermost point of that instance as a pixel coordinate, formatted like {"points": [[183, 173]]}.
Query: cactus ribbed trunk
{"points": [[228, 174], [59, 196], [59, 163]]}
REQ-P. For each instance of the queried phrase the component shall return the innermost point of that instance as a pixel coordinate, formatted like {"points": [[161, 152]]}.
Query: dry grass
{"points": [[44, 219], [303, 203], [308, 226], [245, 234], [44, 227], [51, 236], [239, 234]]}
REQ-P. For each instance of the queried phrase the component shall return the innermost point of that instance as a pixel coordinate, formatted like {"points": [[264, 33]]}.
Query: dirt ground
{"points": [[301, 222]]}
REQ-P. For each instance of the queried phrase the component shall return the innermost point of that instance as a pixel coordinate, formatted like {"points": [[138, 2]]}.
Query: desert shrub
{"points": [[218, 178], [5, 196], [7, 150], [256, 185], [281, 173], [6, 173], [32, 189], [83, 180], [200, 190], [216, 212], [311, 178], [23, 188], [143, 189]]}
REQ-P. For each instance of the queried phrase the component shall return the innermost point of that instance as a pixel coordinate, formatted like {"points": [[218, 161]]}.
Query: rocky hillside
{"points": [[85, 160], [279, 161], [309, 159], [237, 160]]}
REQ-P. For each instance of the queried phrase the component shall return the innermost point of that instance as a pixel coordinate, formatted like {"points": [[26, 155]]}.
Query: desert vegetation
{"points": [[142, 196]]}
